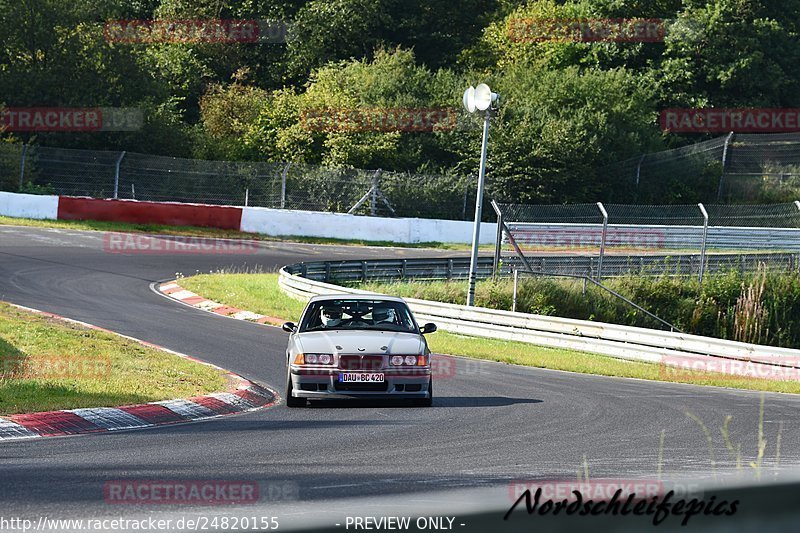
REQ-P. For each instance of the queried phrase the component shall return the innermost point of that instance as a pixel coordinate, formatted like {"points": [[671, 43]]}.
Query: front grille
{"points": [[361, 362], [372, 387]]}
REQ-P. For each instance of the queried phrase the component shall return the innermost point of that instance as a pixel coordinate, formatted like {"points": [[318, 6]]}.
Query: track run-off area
{"points": [[491, 424]]}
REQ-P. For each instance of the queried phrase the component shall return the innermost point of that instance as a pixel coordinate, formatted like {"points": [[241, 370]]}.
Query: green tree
{"points": [[556, 128], [734, 53]]}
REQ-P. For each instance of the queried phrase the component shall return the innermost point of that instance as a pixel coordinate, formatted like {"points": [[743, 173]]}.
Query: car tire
{"points": [[291, 401], [425, 402]]}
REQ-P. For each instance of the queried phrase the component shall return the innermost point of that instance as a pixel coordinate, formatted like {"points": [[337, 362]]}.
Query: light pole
{"points": [[479, 98]]}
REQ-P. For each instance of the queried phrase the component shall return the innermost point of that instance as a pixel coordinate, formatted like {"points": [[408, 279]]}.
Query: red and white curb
{"points": [[243, 396], [176, 292]]}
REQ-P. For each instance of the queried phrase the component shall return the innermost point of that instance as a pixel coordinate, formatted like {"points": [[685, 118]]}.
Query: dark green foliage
{"points": [[569, 110]]}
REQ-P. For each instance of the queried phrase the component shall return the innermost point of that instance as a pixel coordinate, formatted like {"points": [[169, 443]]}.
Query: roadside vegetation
{"points": [[260, 293], [49, 364], [759, 307]]}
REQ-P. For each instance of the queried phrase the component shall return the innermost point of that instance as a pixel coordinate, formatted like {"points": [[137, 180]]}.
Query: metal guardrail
{"points": [[390, 269], [623, 342], [571, 265], [657, 237], [653, 265]]}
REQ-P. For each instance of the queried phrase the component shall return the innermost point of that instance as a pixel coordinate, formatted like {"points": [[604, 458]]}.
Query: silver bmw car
{"points": [[365, 346]]}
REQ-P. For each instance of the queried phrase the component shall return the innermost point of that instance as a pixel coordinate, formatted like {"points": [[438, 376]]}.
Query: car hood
{"points": [[357, 342]]}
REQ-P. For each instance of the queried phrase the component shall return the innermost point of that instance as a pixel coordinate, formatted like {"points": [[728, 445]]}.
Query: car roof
{"points": [[374, 296]]}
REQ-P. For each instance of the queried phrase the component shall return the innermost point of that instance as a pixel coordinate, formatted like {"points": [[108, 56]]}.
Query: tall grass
{"points": [[749, 314], [761, 307]]}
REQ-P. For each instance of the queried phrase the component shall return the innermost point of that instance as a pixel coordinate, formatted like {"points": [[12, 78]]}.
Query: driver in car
{"points": [[330, 317]]}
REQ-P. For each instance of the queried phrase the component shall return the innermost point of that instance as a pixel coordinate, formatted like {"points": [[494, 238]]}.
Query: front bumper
{"points": [[324, 383]]}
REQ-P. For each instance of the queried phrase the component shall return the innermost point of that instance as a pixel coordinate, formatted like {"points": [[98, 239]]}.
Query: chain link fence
{"points": [[129, 175], [599, 239], [740, 168]]}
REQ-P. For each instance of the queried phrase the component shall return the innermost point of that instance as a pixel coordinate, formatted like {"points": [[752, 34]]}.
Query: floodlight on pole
{"points": [[479, 98]]}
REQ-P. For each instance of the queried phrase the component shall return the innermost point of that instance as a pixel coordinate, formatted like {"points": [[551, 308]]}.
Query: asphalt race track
{"points": [[490, 424]]}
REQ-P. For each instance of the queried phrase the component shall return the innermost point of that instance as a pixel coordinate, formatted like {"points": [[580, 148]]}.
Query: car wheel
{"points": [[425, 402], [291, 401]]}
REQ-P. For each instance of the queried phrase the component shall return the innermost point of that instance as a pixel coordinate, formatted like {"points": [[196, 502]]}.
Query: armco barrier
{"points": [[624, 342], [564, 264], [534, 235]]}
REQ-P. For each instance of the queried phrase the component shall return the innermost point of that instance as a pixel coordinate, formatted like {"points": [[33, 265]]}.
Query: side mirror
{"points": [[289, 327], [428, 328]]}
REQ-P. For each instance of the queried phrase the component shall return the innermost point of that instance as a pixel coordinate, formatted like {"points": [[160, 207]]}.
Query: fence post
{"points": [[22, 166], [498, 242], [283, 184], [514, 298], [602, 240], [639, 172], [373, 201], [246, 196], [797, 203], [724, 163], [705, 241], [116, 175]]}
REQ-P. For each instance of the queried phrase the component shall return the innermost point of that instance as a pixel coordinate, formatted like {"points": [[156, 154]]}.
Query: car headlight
{"points": [[313, 359], [408, 360]]}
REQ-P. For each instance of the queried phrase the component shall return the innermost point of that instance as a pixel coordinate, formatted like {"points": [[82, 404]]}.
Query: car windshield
{"points": [[358, 314]]}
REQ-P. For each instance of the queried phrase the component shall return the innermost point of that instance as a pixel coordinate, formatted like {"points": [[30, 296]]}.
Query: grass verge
{"points": [[260, 293], [49, 364], [194, 231]]}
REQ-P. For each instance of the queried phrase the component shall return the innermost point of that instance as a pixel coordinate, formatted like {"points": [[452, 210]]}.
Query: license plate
{"points": [[361, 377]]}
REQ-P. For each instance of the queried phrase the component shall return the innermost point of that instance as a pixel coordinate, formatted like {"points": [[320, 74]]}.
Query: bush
{"points": [[32, 188]]}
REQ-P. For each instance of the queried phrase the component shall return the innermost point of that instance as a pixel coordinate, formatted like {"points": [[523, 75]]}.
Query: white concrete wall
{"points": [[285, 222], [28, 205], [342, 226]]}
